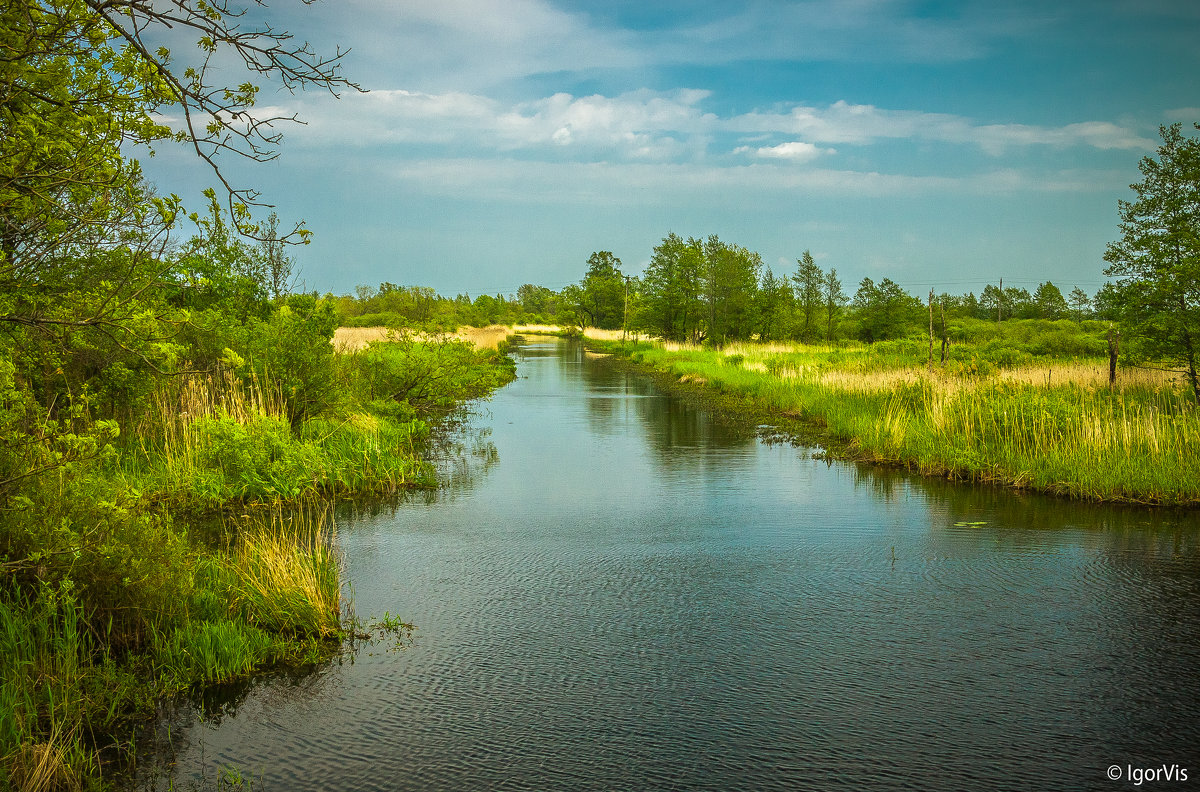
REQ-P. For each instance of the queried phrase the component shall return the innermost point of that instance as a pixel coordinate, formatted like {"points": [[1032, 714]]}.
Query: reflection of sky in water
{"points": [[622, 593]]}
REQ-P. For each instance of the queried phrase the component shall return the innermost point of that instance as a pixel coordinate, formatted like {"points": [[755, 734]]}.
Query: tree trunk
{"points": [[1190, 351], [1114, 349]]}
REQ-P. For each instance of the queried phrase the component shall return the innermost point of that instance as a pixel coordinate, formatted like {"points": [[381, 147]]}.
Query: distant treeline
{"points": [[708, 290]]}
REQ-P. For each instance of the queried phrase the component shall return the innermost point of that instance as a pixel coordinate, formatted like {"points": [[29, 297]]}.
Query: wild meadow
{"points": [[1025, 415]]}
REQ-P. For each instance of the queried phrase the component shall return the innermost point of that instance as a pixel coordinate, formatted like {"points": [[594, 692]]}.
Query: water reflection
{"points": [[629, 594]]}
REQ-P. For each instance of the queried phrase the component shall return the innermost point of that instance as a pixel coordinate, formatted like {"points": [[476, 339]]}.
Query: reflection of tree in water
{"points": [[158, 743], [681, 434], [462, 458]]}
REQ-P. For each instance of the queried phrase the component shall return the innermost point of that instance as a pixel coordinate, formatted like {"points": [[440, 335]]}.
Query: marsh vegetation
{"points": [[992, 413]]}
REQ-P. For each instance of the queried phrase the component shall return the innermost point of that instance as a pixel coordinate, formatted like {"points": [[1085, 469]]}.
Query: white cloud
{"points": [[469, 44], [599, 183], [662, 126], [997, 138], [477, 45], [641, 124], [795, 151], [847, 123], [1188, 115]]}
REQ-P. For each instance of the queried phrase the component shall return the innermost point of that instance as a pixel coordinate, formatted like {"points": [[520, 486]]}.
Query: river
{"points": [[616, 591]]}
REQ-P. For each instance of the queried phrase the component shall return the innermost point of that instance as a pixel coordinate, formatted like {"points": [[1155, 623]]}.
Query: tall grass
{"points": [[287, 574], [1053, 426], [269, 591], [44, 655], [217, 438]]}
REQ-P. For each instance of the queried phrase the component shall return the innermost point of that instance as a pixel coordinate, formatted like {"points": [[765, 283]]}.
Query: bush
{"points": [[431, 376], [293, 352], [261, 459]]}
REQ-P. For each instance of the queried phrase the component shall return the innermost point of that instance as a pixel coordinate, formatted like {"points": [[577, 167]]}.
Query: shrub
{"points": [[260, 459]]}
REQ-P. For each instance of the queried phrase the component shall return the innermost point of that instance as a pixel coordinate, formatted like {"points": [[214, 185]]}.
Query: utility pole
{"points": [[945, 338], [999, 301], [931, 327]]}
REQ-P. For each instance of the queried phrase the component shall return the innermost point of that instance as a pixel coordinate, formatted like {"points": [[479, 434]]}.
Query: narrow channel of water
{"points": [[620, 593]]}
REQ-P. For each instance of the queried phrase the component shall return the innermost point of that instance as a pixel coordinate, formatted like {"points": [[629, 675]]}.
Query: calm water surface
{"points": [[618, 592]]}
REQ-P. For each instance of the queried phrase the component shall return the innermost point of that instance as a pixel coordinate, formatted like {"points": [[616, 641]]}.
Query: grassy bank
{"points": [[111, 597], [1026, 421]]}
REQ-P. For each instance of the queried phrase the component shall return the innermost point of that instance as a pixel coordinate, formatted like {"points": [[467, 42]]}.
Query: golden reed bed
{"points": [[349, 339]]}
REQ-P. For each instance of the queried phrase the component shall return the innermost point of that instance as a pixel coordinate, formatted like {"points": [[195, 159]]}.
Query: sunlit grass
{"points": [[350, 339], [287, 574], [1054, 426]]}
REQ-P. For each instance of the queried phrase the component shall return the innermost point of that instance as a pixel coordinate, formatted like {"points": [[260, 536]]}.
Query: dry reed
{"points": [[351, 339]]}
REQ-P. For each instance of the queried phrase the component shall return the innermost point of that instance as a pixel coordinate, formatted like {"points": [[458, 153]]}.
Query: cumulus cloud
{"points": [[857, 124], [795, 151], [641, 124], [673, 125]]}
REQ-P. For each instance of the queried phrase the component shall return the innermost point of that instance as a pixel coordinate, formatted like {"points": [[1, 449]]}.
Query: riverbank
{"points": [[1051, 425], [111, 595]]}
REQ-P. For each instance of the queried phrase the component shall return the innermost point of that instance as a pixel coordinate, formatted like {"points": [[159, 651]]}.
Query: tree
{"points": [[279, 266], [1019, 303], [671, 289], [808, 279], [883, 310], [1106, 305], [1049, 302], [1157, 258], [89, 296], [601, 295], [1080, 304], [774, 304], [835, 300], [991, 303], [537, 300], [730, 287], [79, 79]]}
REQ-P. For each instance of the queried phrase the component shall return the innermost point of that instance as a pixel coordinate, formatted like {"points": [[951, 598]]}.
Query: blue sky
{"points": [[941, 144]]}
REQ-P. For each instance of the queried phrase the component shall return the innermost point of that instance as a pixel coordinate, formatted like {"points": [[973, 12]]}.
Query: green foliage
{"points": [[599, 301], [217, 268], [1049, 302], [259, 460], [672, 289], [292, 349], [809, 281], [430, 376], [730, 282], [104, 421], [774, 307], [214, 651], [884, 310]]}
